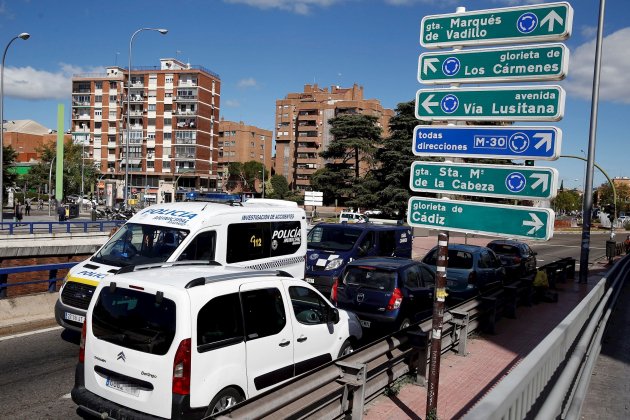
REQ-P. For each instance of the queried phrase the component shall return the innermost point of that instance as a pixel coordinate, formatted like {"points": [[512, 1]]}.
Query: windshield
{"points": [[333, 238], [134, 319], [370, 277], [504, 249], [136, 244]]}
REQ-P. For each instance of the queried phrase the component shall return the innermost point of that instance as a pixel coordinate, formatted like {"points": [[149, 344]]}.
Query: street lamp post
{"points": [[82, 169], [24, 36], [163, 32]]}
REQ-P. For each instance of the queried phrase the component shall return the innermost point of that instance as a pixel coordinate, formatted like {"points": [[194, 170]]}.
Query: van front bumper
{"points": [[69, 317], [101, 408], [322, 283]]}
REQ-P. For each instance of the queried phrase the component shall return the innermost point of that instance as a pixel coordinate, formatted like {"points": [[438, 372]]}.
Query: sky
{"points": [[265, 49]]}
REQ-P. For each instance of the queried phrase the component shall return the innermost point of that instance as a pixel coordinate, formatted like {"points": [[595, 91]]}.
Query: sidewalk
{"points": [[465, 380]]}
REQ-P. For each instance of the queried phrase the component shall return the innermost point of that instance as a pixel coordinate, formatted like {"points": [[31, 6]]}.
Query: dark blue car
{"points": [[384, 292]]}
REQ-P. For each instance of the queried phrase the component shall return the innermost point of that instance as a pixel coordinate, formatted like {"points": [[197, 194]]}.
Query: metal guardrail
{"points": [[51, 280], [342, 387], [13, 228], [552, 380]]}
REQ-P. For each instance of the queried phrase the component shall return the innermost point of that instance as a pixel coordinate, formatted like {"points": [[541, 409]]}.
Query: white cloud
{"points": [[30, 83], [588, 31], [615, 71], [247, 83], [232, 103], [301, 7]]}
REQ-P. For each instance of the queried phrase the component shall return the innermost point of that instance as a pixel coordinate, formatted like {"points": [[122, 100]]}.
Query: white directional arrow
{"points": [[427, 104], [552, 17], [545, 140], [428, 64], [541, 179], [535, 223]]}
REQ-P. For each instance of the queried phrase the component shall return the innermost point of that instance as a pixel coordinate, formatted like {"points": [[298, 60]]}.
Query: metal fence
{"points": [[342, 387], [15, 228], [52, 279], [552, 380]]}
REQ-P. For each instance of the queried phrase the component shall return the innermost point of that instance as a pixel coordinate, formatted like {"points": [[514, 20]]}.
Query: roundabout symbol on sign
{"points": [[515, 182], [449, 103], [451, 66], [518, 142], [527, 22]]}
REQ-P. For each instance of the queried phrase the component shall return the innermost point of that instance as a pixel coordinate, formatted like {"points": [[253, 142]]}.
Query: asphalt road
{"points": [[37, 370]]}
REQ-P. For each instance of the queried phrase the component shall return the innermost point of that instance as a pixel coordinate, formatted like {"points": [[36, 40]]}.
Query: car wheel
{"points": [[225, 399], [346, 349], [404, 323]]}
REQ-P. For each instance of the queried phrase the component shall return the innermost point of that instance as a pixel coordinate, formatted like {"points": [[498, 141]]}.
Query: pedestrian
{"points": [[626, 244], [27, 208], [61, 211], [18, 212], [40, 204]]}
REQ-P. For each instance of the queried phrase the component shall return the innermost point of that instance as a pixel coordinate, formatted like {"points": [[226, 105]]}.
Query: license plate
{"points": [[365, 324], [74, 317], [122, 387], [310, 280], [451, 283]]}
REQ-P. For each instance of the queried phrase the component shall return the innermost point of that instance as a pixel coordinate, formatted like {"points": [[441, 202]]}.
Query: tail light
{"points": [[472, 278], [181, 369], [82, 343], [333, 291], [395, 300]]}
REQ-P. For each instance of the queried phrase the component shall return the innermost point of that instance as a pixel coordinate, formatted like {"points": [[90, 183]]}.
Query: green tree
{"points": [[356, 138], [566, 201], [605, 195], [252, 171], [72, 168], [279, 187], [390, 184], [8, 159]]}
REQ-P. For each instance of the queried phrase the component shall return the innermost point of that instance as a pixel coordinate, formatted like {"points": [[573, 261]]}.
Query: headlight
{"points": [[334, 264]]}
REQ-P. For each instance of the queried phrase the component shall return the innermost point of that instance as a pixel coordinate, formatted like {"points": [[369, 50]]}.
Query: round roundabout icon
{"points": [[449, 103], [527, 22], [451, 66], [515, 182], [518, 142]]}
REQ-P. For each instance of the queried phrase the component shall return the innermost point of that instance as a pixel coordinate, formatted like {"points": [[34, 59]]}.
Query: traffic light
{"points": [[610, 210], [529, 163]]}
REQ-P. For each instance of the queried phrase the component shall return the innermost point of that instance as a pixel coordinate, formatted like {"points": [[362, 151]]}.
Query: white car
{"points": [[191, 340]]}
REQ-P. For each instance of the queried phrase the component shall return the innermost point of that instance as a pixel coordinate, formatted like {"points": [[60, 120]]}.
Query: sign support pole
{"points": [[588, 179], [438, 321]]}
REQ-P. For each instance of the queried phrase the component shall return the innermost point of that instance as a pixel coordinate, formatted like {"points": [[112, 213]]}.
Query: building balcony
{"points": [[80, 116], [187, 83], [307, 161], [80, 103], [81, 130], [307, 117], [136, 113], [190, 170], [184, 112], [136, 85], [111, 145], [305, 171], [186, 98]]}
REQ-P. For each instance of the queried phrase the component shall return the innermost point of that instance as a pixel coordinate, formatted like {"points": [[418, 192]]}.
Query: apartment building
{"points": [[239, 142], [303, 131], [173, 115]]}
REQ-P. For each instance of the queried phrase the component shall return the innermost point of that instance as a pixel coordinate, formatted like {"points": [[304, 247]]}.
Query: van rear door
{"points": [[130, 333]]}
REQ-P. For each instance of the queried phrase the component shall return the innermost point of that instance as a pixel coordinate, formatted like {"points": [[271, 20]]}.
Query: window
{"points": [[220, 323], [263, 312], [112, 114], [168, 136], [134, 320], [112, 98], [168, 121], [309, 308], [202, 247], [98, 112], [150, 164], [112, 85], [98, 85], [412, 277], [252, 241], [98, 98], [428, 279], [166, 165], [152, 107]]}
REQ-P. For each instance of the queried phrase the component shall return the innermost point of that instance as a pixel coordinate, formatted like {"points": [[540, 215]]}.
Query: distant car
{"points": [[385, 292], [517, 257], [372, 212], [471, 269], [622, 220], [351, 217]]}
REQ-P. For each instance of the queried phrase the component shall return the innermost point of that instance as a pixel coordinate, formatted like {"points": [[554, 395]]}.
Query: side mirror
{"points": [[332, 315], [534, 253]]}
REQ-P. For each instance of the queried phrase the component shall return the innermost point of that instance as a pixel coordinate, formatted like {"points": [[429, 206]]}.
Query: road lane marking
{"points": [[26, 334], [572, 246]]}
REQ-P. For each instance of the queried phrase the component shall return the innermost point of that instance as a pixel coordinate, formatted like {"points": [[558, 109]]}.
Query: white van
{"points": [[352, 217], [260, 234], [188, 341]]}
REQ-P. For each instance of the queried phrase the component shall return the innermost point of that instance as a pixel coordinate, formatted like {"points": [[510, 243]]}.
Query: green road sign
{"points": [[482, 218], [531, 23], [532, 63], [503, 181], [509, 103]]}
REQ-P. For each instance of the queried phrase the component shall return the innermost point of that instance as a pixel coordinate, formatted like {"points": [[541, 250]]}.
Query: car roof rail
{"points": [[131, 268], [200, 281]]}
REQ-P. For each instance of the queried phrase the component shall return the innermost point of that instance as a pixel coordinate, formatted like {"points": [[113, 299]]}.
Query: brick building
{"points": [[303, 131], [239, 142], [25, 137], [173, 113]]}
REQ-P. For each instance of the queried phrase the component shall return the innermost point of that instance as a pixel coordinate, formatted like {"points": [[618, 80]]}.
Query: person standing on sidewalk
{"points": [[27, 208], [61, 211]]}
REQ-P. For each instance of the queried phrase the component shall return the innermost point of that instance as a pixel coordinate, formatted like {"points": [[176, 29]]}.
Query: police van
{"points": [[260, 234]]}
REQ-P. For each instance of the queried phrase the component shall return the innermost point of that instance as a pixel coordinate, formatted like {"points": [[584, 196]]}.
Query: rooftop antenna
{"points": [[116, 58]]}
